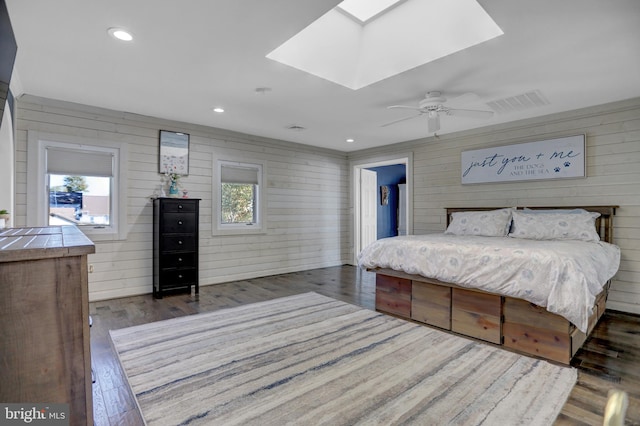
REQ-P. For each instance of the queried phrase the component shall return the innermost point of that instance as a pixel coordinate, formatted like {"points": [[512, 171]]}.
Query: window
{"points": [[77, 184], [79, 200], [239, 197]]}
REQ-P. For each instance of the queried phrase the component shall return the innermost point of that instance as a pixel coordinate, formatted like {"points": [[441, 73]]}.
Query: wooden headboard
{"points": [[604, 224]]}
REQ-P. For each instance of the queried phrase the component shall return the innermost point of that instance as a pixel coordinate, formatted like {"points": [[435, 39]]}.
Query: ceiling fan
{"points": [[433, 106]]}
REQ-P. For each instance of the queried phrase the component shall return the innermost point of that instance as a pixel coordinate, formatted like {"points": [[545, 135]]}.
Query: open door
{"points": [[368, 207]]}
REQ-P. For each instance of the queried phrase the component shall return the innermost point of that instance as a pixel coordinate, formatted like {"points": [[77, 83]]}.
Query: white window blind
{"points": [[61, 161], [238, 174]]}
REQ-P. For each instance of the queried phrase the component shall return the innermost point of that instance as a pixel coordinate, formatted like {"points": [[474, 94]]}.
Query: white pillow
{"points": [[491, 223], [555, 226], [547, 211]]}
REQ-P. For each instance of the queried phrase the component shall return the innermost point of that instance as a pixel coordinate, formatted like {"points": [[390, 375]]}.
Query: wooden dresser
{"points": [[44, 319], [175, 245]]}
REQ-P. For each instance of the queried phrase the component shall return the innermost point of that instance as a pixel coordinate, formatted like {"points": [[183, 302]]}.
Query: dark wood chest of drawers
{"points": [[175, 245]]}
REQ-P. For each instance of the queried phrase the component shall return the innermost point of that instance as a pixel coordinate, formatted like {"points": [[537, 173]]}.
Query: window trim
{"points": [[219, 228], [37, 182]]}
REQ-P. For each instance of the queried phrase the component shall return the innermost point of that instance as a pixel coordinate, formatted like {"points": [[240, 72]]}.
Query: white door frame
{"points": [[388, 160]]}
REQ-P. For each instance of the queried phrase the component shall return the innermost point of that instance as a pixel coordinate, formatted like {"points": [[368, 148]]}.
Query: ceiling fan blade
{"points": [[404, 107], [398, 121], [433, 122], [471, 113]]}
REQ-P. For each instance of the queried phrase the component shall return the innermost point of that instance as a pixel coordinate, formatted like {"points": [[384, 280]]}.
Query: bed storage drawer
{"points": [[551, 338], [598, 310], [522, 312], [550, 344], [476, 314], [431, 304], [393, 295]]}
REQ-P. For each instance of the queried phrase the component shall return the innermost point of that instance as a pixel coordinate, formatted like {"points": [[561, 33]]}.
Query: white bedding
{"points": [[562, 276]]}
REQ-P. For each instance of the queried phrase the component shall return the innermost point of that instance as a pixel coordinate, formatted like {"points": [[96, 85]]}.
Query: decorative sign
{"points": [[549, 159], [174, 153]]}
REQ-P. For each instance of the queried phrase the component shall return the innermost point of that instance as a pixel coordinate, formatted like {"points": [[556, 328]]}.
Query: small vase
{"points": [[173, 189]]}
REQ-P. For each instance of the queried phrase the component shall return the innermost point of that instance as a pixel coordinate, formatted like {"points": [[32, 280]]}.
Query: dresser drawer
{"points": [[178, 243], [178, 223], [178, 260], [177, 206], [178, 277]]}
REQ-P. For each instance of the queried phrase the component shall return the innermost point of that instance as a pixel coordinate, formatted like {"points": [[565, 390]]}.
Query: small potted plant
{"points": [[4, 218]]}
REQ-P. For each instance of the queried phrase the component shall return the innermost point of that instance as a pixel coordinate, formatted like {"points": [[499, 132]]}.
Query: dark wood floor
{"points": [[610, 358]]}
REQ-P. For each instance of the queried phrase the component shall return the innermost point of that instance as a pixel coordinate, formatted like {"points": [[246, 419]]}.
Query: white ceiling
{"points": [[188, 57]]}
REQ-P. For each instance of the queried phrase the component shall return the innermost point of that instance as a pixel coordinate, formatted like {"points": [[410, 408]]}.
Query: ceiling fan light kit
{"points": [[433, 106], [433, 121]]}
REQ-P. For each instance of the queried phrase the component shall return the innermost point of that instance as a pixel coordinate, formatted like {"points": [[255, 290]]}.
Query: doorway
{"points": [[365, 191], [391, 180]]}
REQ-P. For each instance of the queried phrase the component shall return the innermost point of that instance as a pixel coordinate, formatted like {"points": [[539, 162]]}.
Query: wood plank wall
{"points": [[613, 178], [307, 198], [308, 190]]}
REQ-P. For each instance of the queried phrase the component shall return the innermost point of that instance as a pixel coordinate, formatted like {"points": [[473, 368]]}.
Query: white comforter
{"points": [[563, 276]]}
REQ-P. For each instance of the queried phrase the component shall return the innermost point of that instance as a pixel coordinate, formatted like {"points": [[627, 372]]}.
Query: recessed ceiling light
{"points": [[120, 34], [350, 140], [218, 110]]}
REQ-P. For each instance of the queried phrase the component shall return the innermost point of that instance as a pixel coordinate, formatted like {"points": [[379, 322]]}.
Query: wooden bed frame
{"points": [[510, 322]]}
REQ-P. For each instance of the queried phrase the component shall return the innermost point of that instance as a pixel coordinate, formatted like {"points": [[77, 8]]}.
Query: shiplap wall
{"points": [[613, 178], [307, 197], [308, 190]]}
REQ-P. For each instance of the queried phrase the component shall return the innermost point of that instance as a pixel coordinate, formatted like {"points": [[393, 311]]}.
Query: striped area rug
{"points": [[311, 360]]}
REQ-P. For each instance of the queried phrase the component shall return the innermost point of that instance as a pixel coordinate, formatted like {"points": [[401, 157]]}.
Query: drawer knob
{"points": [[179, 259], [179, 276], [179, 206], [179, 242], [179, 222]]}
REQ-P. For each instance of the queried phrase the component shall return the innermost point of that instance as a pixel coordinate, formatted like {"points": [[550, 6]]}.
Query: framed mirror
{"points": [[174, 153]]}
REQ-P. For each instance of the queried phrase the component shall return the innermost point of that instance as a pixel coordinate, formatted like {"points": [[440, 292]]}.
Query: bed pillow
{"points": [[491, 223], [547, 211], [555, 226]]}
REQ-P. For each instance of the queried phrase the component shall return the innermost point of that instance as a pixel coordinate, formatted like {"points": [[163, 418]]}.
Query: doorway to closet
{"points": [[382, 200]]}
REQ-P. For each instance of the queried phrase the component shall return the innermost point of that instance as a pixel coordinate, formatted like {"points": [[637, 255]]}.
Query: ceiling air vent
{"points": [[528, 100], [296, 128]]}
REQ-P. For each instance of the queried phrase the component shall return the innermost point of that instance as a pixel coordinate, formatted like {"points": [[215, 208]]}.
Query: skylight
{"points": [[398, 35], [363, 10]]}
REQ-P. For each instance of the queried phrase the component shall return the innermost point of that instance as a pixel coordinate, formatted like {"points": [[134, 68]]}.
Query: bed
{"points": [[533, 280]]}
